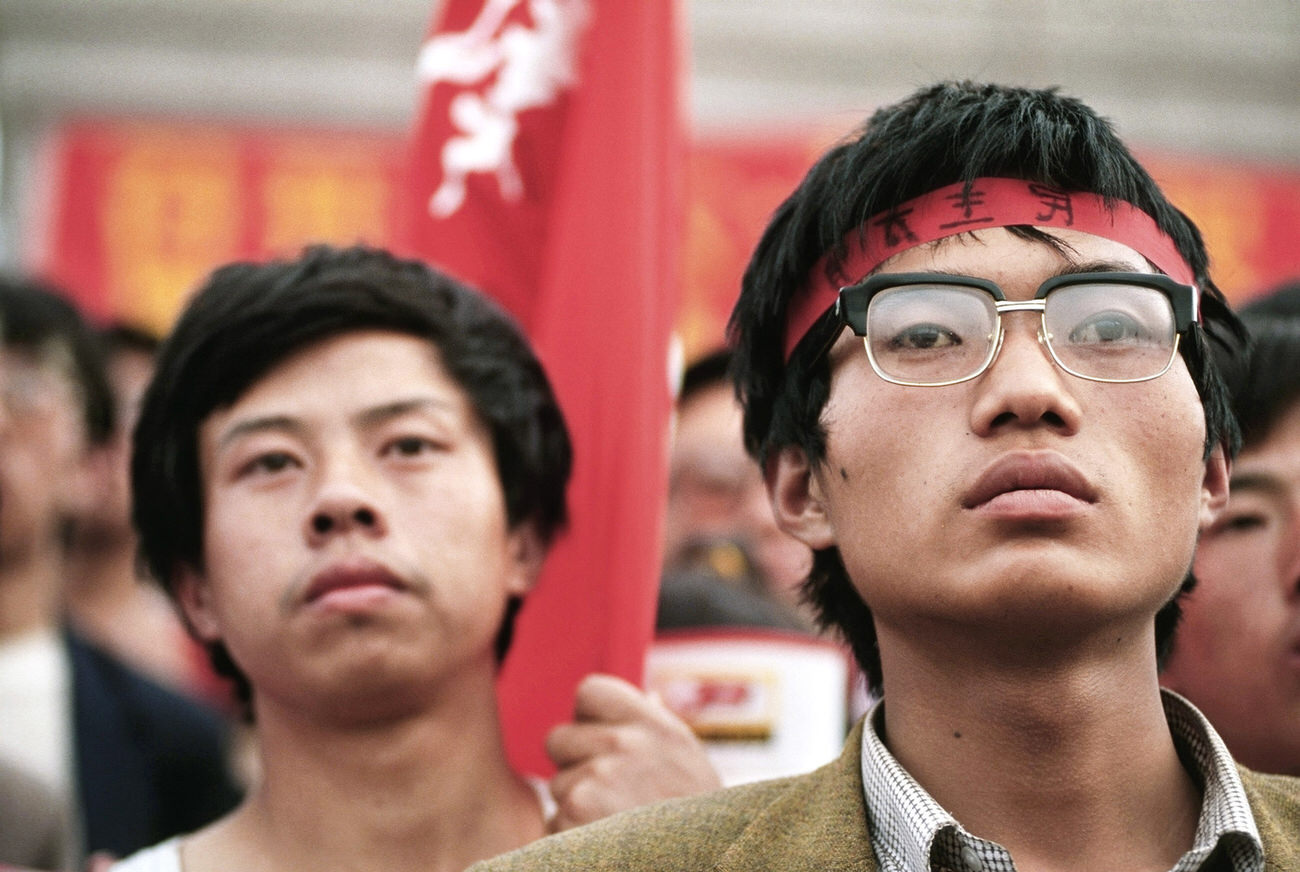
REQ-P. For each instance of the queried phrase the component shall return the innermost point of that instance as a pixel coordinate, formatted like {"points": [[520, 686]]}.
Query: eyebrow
{"points": [[397, 408], [1095, 266], [262, 424], [366, 417], [1069, 269], [1259, 482]]}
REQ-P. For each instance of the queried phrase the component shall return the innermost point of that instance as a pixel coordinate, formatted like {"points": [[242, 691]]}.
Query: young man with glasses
{"points": [[1002, 467]]}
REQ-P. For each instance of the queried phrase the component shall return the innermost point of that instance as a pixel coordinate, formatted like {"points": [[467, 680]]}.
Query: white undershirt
{"points": [[166, 856], [35, 708]]}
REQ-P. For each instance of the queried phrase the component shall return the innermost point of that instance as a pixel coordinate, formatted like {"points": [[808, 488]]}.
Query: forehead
{"points": [[708, 431], [997, 254], [46, 371], [348, 371], [50, 357], [40, 391], [1278, 453]]}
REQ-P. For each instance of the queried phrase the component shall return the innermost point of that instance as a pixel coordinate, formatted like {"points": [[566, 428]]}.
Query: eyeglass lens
{"points": [[936, 333]]}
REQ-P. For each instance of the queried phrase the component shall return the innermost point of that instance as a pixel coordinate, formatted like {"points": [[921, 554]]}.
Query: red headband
{"points": [[989, 202]]}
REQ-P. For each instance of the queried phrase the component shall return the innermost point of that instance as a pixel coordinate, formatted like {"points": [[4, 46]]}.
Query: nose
{"points": [[344, 507], [1024, 387]]}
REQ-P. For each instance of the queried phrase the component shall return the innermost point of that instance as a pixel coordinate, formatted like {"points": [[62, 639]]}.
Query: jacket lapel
{"points": [[820, 823]]}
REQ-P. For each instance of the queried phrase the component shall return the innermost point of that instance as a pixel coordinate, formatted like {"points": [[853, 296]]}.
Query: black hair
{"points": [[247, 318], [124, 336], [39, 319], [1265, 384], [944, 134], [1283, 299], [713, 368]]}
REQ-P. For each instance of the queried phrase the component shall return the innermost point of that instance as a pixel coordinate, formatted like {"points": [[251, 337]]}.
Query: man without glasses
{"points": [[1237, 654], [1002, 466], [347, 471]]}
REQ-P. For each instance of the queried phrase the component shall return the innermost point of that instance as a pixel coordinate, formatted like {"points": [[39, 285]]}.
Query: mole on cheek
{"points": [[844, 474]]}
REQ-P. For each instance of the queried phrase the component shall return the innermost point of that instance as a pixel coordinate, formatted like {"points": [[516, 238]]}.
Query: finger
{"points": [[585, 794], [610, 699], [570, 744], [564, 781]]}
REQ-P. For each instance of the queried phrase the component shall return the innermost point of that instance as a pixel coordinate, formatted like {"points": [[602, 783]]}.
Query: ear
{"points": [[527, 553], [798, 498], [1214, 488], [194, 596]]}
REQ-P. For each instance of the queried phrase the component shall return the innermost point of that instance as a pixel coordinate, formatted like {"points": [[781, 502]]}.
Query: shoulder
{"points": [[103, 683], [1275, 804], [812, 821], [162, 857], [681, 834], [150, 762]]}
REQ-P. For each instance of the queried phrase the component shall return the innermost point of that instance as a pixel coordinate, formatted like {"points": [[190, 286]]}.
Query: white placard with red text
{"points": [[766, 703]]}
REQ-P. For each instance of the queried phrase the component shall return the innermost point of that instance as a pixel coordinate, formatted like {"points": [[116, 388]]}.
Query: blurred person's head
{"points": [[957, 136], [128, 353], [1237, 651], [365, 397], [718, 510], [1283, 301], [58, 406]]}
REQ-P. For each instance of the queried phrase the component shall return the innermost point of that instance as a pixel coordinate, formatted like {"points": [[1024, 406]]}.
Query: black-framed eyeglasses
{"points": [[933, 329]]}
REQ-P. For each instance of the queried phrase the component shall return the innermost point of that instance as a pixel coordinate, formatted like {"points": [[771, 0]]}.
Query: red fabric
{"points": [[582, 245], [989, 202]]}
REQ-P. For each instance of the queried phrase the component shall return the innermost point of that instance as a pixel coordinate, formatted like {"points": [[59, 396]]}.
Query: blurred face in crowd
{"points": [[716, 492], [108, 514], [356, 549], [1237, 651], [42, 450]]}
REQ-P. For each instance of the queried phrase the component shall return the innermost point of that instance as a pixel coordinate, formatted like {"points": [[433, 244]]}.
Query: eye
{"points": [[1106, 328], [270, 463], [1240, 523], [411, 446], [922, 336]]}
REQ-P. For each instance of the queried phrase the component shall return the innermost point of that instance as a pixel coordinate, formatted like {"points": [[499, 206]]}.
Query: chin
{"points": [[374, 702]]}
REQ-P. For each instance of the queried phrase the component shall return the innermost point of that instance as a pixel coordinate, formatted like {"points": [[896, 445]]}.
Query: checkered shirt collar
{"points": [[910, 832]]}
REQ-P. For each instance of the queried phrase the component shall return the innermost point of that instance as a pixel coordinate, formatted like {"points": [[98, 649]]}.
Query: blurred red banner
{"points": [[547, 170], [140, 211]]}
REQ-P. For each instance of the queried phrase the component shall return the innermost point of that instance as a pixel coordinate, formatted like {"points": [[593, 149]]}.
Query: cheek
{"points": [[1165, 450], [259, 536], [255, 526], [884, 458], [1237, 575], [454, 520]]}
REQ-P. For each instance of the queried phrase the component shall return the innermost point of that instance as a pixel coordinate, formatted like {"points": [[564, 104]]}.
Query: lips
{"points": [[1029, 471], [352, 575]]}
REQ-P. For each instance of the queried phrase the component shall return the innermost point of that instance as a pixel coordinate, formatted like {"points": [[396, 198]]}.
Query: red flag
{"points": [[548, 166]]}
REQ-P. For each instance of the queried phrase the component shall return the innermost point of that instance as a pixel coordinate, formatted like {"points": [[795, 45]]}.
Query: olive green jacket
{"points": [[808, 822]]}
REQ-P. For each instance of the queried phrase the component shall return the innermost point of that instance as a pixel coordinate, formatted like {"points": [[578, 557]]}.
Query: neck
{"points": [[430, 791], [30, 591], [1067, 762]]}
